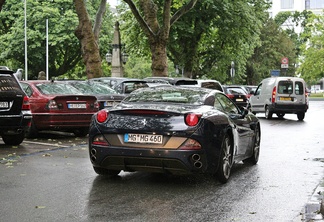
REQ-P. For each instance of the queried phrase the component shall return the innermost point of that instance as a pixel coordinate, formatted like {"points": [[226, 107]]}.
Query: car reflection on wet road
{"points": [[56, 182]]}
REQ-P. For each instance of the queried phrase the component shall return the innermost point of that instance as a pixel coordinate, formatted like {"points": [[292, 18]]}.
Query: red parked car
{"points": [[59, 106]]}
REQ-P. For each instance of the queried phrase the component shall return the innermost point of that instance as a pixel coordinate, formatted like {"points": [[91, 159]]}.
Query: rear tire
{"points": [[226, 160], [14, 140], [268, 114], [106, 172], [301, 116], [256, 148]]}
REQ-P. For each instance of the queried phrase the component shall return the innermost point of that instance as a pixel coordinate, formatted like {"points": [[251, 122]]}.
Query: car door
{"points": [[256, 100], [242, 131]]}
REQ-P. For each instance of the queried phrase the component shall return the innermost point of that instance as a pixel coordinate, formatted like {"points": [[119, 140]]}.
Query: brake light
{"points": [[231, 96], [102, 115], [26, 104], [192, 119], [100, 140], [273, 97], [52, 104], [190, 144]]}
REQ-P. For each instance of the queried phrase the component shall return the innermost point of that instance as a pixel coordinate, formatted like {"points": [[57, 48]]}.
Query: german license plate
{"points": [[4, 105], [109, 103], [285, 99], [77, 106], [142, 138], [239, 100]]}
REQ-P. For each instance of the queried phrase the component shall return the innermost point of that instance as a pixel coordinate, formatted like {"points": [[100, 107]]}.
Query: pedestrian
{"points": [[41, 75]]}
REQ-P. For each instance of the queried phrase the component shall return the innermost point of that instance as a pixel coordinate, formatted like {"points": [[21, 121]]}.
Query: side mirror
{"points": [[244, 111]]}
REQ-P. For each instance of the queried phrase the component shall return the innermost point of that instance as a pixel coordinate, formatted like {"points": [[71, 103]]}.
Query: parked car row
{"points": [[68, 105]]}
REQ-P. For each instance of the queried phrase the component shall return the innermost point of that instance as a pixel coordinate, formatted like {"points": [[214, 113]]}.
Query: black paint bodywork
{"points": [[209, 132]]}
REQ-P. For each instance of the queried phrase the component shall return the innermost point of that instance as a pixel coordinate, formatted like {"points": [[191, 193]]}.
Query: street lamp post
{"points": [[232, 72], [116, 57]]}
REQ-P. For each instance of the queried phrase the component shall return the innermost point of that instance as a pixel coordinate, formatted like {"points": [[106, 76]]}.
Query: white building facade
{"points": [[316, 6]]}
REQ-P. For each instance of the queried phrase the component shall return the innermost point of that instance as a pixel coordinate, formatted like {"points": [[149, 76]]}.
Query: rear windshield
{"points": [[235, 91], [9, 84], [187, 96], [211, 85], [57, 89], [287, 87]]}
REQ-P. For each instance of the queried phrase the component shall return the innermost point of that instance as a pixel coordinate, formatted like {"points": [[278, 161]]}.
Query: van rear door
{"points": [[290, 92]]}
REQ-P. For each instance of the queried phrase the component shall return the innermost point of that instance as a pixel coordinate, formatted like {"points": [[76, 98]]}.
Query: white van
{"points": [[280, 95]]}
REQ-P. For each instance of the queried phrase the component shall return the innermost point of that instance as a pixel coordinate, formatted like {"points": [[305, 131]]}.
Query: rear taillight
{"points": [[26, 104], [231, 96], [100, 140], [52, 105], [192, 119], [190, 144], [273, 96], [102, 116]]}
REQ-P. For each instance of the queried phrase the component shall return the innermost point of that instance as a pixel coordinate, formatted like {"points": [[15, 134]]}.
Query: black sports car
{"points": [[171, 129]]}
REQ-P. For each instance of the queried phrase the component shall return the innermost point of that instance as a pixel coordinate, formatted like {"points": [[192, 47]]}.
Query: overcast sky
{"points": [[113, 3]]}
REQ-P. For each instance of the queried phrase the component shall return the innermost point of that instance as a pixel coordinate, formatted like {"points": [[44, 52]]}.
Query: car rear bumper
{"points": [[15, 122], [287, 108], [151, 160], [62, 121]]}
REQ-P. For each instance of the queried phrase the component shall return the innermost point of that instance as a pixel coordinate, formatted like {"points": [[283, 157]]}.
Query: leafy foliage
{"points": [[63, 47], [311, 68], [206, 39], [275, 44]]}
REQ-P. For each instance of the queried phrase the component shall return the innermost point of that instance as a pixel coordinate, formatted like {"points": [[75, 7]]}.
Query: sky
{"points": [[113, 3]]}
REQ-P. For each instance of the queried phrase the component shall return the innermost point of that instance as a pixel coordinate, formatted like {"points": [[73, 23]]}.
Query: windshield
{"points": [[180, 95]]}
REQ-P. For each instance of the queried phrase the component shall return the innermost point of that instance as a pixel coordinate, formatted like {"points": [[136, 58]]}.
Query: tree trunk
{"points": [[2, 3], [159, 59], [98, 23], [156, 30], [89, 46]]}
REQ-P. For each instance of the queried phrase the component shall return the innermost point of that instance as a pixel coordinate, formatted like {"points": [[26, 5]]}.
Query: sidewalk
{"points": [[314, 208]]}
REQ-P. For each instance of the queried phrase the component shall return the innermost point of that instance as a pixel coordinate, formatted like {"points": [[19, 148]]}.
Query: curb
{"points": [[314, 208]]}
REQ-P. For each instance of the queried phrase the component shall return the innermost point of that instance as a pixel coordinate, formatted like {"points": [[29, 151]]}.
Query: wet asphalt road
{"points": [[54, 181]]}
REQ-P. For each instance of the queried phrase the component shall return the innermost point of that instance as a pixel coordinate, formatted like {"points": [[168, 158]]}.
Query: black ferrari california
{"points": [[177, 130]]}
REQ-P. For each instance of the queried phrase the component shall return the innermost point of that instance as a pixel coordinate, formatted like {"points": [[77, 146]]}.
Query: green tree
{"points": [[311, 68], [207, 38], [155, 21], [275, 44], [214, 33], [291, 21], [64, 48]]}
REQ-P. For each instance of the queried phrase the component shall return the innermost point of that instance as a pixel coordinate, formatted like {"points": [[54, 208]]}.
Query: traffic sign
{"points": [[275, 72], [284, 60], [284, 66]]}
